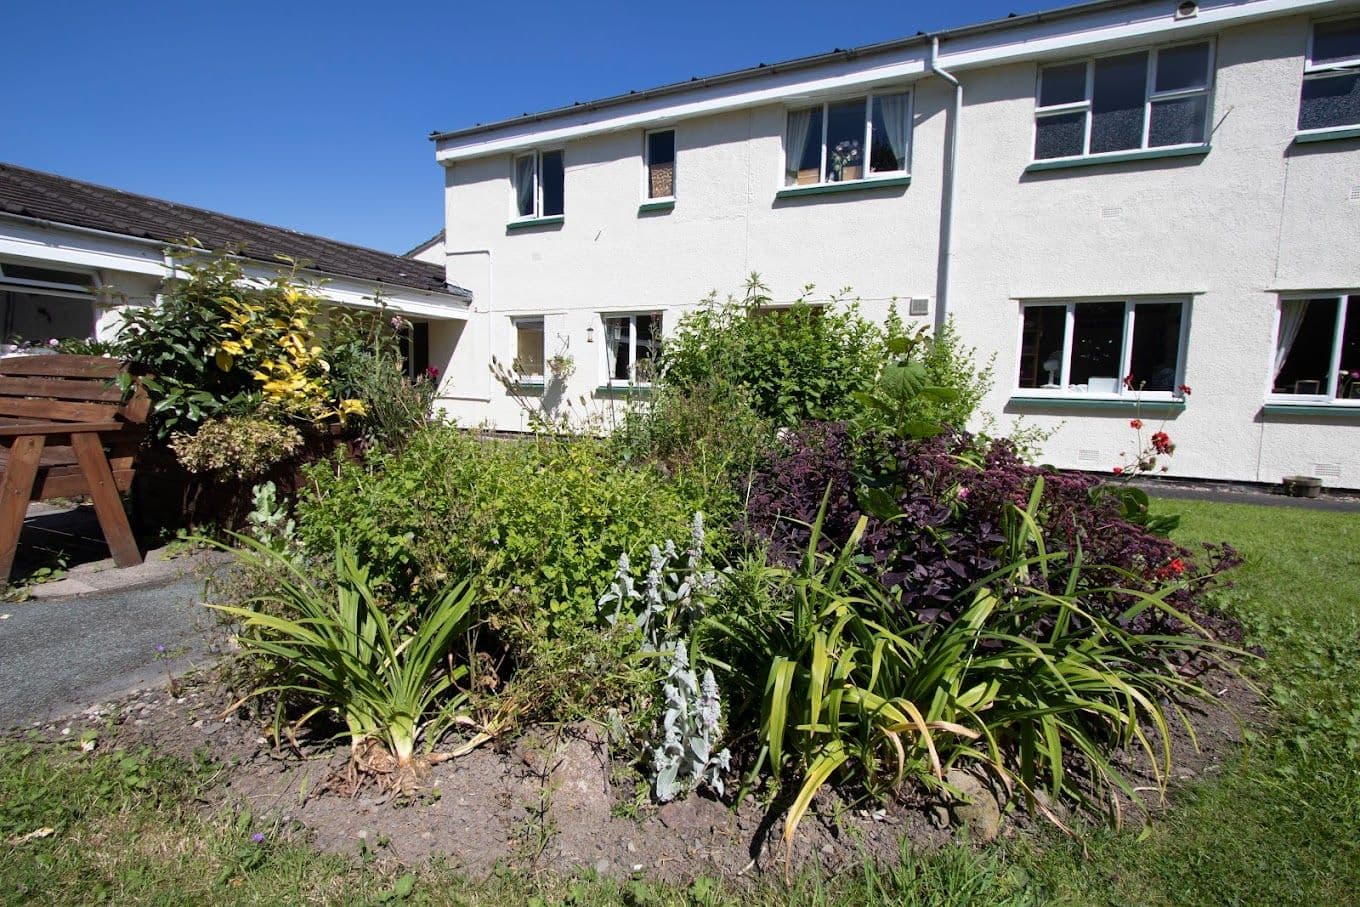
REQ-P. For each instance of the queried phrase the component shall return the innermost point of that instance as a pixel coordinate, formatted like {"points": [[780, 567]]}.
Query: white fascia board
{"points": [[26, 239], [1148, 23], [359, 294], [778, 88], [1111, 29]]}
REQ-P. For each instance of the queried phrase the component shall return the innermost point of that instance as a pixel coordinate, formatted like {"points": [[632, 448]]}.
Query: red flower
{"points": [[432, 373], [1161, 443], [1185, 390], [1119, 470], [1135, 423], [1128, 381], [1173, 567]]}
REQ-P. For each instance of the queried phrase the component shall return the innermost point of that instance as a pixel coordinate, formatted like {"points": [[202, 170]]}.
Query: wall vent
{"points": [[1355, 193], [1112, 212], [919, 307], [1327, 470], [1088, 456]]}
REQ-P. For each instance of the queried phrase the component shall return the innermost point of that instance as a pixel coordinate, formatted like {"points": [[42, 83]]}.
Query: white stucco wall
{"points": [[430, 253], [1229, 230]]}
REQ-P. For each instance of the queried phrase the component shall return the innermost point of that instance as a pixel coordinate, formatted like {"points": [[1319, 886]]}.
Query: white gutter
{"points": [[951, 159]]}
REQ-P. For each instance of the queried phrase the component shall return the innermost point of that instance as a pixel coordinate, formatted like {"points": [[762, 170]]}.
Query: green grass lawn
{"points": [[1281, 824]]}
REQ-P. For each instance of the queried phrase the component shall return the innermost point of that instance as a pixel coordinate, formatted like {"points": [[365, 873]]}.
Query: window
{"points": [[632, 344], [826, 144], [529, 357], [1331, 76], [1112, 348], [538, 184], [661, 164], [1149, 99], [1317, 349]]}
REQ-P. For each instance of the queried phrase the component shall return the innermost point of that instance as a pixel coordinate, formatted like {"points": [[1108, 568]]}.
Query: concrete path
{"points": [[61, 655]]}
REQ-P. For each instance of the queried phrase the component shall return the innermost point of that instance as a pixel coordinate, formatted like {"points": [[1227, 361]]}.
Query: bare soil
{"points": [[556, 799]]}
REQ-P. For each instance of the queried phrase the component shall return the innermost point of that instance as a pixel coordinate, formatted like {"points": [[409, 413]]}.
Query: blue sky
{"points": [[316, 116]]}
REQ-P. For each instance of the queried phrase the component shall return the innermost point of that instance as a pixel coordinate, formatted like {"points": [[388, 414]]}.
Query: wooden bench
{"points": [[67, 428]]}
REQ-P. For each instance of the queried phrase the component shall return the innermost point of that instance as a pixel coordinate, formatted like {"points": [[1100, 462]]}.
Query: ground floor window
{"points": [[28, 317], [1112, 347], [1317, 349], [529, 356], [632, 345], [415, 348]]}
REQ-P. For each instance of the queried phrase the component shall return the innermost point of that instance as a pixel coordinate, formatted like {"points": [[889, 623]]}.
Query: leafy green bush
{"points": [[796, 363], [541, 521], [238, 447], [334, 646]]}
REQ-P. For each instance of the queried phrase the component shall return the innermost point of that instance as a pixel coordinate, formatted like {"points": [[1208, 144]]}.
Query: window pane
{"points": [[661, 147], [1181, 68], [1348, 385], [1041, 346], [1177, 122], [648, 342], [1097, 338], [1117, 97], [552, 183], [845, 141], [892, 125], [617, 339], [1330, 101], [1156, 345], [1336, 41], [529, 348], [1062, 84], [660, 164], [1061, 135], [524, 185], [1304, 353], [803, 145]]}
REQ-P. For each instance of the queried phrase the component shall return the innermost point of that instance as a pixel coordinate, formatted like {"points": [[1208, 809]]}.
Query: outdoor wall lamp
{"points": [[590, 335]]}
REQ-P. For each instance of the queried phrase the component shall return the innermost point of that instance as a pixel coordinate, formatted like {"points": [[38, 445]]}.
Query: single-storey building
{"points": [[1118, 201], [73, 254]]}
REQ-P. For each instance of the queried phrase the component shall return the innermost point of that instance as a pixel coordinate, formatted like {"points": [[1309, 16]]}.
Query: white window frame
{"points": [[606, 357], [1150, 96], [867, 176], [1344, 299], [1313, 71], [515, 322], [647, 166], [537, 155], [1125, 355]]}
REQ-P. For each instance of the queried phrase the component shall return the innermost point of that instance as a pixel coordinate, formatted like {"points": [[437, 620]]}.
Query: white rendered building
{"points": [[1162, 190]]}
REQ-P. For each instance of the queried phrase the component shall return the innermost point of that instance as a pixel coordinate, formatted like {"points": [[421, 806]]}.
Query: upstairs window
{"points": [[1331, 76], [632, 344], [1109, 348], [848, 140], [1317, 350], [660, 153], [1148, 99], [538, 183]]}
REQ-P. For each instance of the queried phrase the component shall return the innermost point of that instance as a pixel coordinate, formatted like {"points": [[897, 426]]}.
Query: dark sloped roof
{"points": [[46, 196]]}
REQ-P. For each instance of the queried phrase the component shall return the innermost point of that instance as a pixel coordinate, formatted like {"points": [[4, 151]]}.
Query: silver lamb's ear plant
{"points": [[268, 521], [690, 728], [620, 595]]}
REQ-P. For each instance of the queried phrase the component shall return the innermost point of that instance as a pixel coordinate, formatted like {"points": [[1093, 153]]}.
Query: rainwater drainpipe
{"points": [[943, 265]]}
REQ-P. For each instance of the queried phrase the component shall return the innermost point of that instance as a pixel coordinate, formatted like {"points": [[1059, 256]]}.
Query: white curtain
{"points": [[895, 123], [616, 345], [1291, 319], [795, 141], [524, 185]]}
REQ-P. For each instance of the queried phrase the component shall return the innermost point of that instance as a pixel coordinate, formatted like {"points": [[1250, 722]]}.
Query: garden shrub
{"points": [[237, 447], [936, 510], [544, 521]]}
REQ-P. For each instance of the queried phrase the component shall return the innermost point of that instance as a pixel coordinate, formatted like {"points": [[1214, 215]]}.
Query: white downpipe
{"points": [[951, 157]]}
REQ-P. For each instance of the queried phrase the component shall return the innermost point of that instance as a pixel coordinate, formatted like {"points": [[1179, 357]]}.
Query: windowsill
{"points": [[1117, 157], [530, 388], [1339, 409], [623, 390], [1327, 135], [531, 222], [1087, 401], [656, 204], [882, 182]]}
